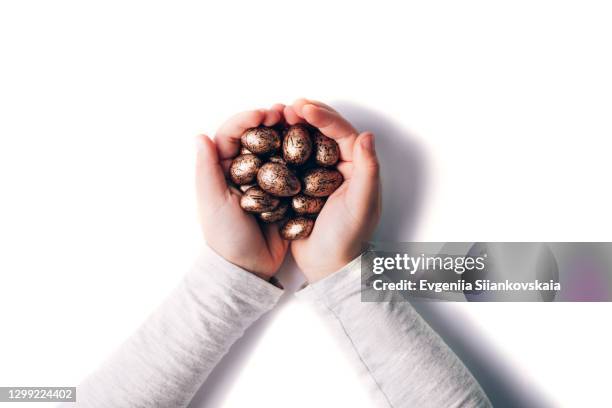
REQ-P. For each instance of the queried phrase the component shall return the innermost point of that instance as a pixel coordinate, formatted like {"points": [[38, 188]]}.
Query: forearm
{"points": [[164, 363], [408, 364]]}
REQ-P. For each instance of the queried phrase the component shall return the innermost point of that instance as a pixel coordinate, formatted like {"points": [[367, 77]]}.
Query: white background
{"points": [[493, 123]]}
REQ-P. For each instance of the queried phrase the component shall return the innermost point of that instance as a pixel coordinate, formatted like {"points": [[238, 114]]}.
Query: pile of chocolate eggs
{"points": [[286, 175]]}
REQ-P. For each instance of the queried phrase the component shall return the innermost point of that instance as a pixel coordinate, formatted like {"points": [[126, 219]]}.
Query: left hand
{"points": [[228, 230]]}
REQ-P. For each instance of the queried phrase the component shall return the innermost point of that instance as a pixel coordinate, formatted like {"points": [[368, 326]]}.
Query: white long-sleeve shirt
{"points": [[168, 358]]}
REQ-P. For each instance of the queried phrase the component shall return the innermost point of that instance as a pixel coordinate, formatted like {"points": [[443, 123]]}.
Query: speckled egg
{"points": [[243, 169], [326, 150], [277, 159], [245, 187], [321, 182], [285, 174], [297, 145], [257, 201], [277, 179], [297, 228], [261, 140], [275, 215], [303, 204], [244, 150]]}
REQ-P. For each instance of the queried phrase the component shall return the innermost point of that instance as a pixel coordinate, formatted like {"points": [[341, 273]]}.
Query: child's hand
{"points": [[228, 230], [353, 210]]}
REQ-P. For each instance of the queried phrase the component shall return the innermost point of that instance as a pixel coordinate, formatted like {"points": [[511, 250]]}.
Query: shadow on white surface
{"points": [[501, 384], [403, 174], [403, 171], [404, 177]]}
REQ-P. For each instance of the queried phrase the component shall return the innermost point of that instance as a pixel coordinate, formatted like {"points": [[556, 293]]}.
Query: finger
{"points": [[211, 187], [276, 245], [279, 107], [291, 117], [364, 188], [331, 124], [299, 103], [272, 117], [225, 165], [346, 169], [227, 137]]}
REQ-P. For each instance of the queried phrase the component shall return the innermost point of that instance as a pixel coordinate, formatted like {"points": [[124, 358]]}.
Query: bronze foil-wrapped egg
{"points": [[297, 145], [244, 150], [261, 140], [320, 182], [275, 215], [245, 187], [303, 204], [277, 179], [297, 228], [243, 169], [326, 150], [277, 159], [257, 201]]}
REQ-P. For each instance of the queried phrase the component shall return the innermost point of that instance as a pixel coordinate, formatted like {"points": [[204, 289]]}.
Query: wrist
{"points": [[250, 264], [341, 258], [316, 273]]}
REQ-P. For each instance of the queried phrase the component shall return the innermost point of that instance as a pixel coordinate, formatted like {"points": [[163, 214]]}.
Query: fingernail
{"points": [[367, 142]]}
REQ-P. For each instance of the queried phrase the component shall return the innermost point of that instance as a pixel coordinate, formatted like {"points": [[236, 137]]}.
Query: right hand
{"points": [[352, 212]]}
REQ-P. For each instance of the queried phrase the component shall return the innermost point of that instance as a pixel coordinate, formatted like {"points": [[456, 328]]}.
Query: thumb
{"points": [[211, 187], [364, 187]]}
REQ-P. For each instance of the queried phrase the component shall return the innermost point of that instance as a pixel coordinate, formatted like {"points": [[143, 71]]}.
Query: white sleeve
{"points": [[403, 360], [168, 358]]}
